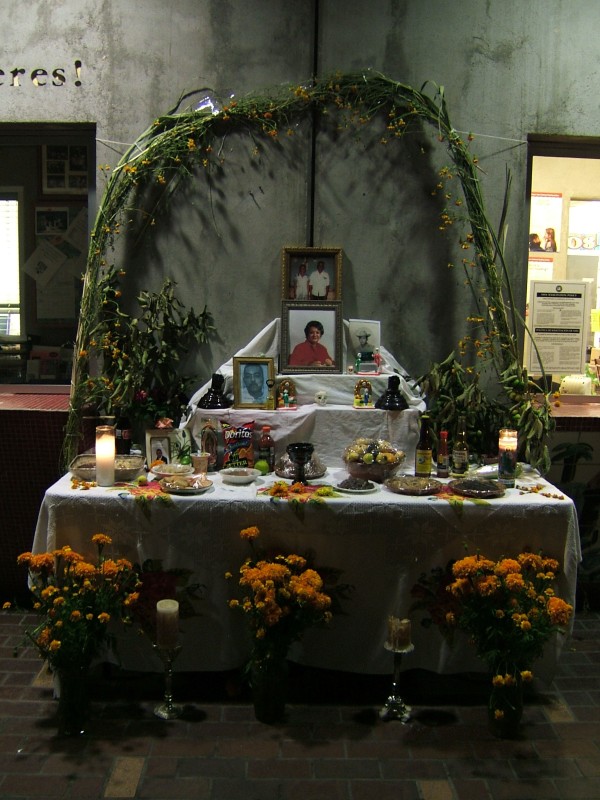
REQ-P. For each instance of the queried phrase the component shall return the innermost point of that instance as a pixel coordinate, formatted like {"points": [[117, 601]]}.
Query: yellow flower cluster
{"points": [[282, 597], [508, 607], [77, 600]]}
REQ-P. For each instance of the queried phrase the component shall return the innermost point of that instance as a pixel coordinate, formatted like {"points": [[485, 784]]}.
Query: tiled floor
{"points": [[333, 749]]}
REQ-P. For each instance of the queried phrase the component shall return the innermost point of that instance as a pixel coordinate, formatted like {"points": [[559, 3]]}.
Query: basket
{"points": [[372, 472]]}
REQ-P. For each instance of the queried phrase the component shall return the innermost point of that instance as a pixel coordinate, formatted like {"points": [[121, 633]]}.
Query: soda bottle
{"points": [[424, 450]]}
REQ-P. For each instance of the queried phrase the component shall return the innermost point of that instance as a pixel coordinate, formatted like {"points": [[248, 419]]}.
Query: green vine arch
{"points": [[179, 146]]}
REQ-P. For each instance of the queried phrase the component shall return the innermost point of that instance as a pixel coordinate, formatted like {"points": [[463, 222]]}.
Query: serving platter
{"points": [[476, 487], [373, 488], [171, 470], [407, 484], [194, 487]]}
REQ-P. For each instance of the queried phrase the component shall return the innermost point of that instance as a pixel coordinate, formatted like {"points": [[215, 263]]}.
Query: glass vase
{"points": [[73, 700], [505, 707], [269, 680]]}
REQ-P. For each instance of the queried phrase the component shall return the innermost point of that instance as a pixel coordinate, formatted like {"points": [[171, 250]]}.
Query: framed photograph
{"points": [[365, 336], [64, 169], [311, 337], [161, 445], [311, 274], [51, 221], [250, 376]]}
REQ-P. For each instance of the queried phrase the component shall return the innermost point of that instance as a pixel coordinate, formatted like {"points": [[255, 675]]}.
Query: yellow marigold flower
{"points": [[507, 565], [250, 533], [525, 625], [498, 680], [499, 613], [75, 615], [559, 611], [487, 586], [526, 675], [103, 617], [89, 617], [228, 575], [514, 582], [54, 645], [499, 714], [191, 144], [6, 606], [58, 601], [234, 603]]}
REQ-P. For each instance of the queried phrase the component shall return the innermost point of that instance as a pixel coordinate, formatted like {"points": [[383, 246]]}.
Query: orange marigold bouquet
{"points": [[283, 597], [77, 600], [508, 607]]}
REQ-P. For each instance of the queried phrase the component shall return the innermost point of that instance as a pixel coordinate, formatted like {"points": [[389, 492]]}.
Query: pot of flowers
{"points": [[76, 600], [509, 609], [282, 597]]}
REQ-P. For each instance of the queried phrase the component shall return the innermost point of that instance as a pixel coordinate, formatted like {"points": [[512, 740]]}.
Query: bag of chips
{"points": [[238, 446]]}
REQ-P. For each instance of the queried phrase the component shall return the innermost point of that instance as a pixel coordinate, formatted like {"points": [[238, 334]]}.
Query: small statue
{"points": [[362, 394], [286, 395], [214, 397]]}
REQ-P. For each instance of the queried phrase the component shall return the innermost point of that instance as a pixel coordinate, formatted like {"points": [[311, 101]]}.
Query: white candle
{"points": [[167, 624], [105, 455], [508, 441], [398, 634]]}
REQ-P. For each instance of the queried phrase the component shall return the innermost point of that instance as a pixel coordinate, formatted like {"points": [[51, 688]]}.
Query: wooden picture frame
{"points": [[160, 445], [64, 169], [250, 376], [297, 266], [295, 341]]}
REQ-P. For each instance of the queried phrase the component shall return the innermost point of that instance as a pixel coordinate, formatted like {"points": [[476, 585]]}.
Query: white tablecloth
{"points": [[330, 429], [380, 542]]}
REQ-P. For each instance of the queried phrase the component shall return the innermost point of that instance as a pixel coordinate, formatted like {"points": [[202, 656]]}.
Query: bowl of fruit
{"points": [[372, 459]]}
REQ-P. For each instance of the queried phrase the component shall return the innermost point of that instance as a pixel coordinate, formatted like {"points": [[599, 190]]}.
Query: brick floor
{"points": [[332, 746]]}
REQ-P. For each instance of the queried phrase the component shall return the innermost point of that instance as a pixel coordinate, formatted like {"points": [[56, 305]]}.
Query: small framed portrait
{"points": [[365, 336], [311, 337], [161, 445], [250, 376], [311, 274], [51, 221]]}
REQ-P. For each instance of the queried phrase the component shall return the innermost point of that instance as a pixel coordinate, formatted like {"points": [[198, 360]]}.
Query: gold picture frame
{"points": [[250, 376]]}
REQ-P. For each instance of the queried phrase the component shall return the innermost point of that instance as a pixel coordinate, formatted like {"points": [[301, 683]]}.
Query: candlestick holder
{"points": [[168, 709], [395, 707]]}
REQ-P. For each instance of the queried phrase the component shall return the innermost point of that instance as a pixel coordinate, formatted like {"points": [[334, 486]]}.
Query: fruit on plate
{"points": [[372, 451]]}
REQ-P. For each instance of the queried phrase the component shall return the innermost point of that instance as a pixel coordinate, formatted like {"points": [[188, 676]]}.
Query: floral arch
{"points": [[179, 145]]}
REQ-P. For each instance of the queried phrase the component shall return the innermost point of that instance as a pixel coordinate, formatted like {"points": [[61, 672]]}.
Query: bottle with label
{"points": [[460, 450], [266, 448], [443, 457], [424, 450], [123, 436]]}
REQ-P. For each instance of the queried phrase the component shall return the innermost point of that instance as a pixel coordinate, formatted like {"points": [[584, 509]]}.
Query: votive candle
{"points": [[398, 634], [105, 455], [508, 440], [167, 624]]}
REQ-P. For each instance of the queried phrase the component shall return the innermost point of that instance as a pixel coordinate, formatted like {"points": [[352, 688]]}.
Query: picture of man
{"points": [[319, 282], [254, 383]]}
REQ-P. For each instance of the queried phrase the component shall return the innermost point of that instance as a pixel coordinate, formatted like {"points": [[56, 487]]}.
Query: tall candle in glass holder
{"points": [[167, 624], [507, 456], [105, 455]]}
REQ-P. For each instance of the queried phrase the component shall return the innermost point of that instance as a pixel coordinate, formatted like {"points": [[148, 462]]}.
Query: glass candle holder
{"points": [[507, 456], [105, 455]]}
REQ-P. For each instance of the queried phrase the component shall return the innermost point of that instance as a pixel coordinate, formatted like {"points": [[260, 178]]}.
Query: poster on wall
{"points": [[559, 319], [545, 222]]}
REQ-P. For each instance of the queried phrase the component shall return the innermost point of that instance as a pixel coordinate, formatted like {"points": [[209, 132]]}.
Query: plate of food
{"points": [[476, 487], [185, 484], [357, 486], [239, 475], [407, 484], [169, 470]]}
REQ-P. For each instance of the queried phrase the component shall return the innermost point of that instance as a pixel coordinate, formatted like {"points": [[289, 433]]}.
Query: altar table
{"points": [[379, 542]]}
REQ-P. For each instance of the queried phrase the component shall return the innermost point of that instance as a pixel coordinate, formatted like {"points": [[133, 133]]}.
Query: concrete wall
{"points": [[507, 69]]}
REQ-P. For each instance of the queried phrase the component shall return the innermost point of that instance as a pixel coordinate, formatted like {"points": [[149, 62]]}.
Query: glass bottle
{"points": [[123, 435], [423, 454], [443, 457], [266, 447], [460, 449]]}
